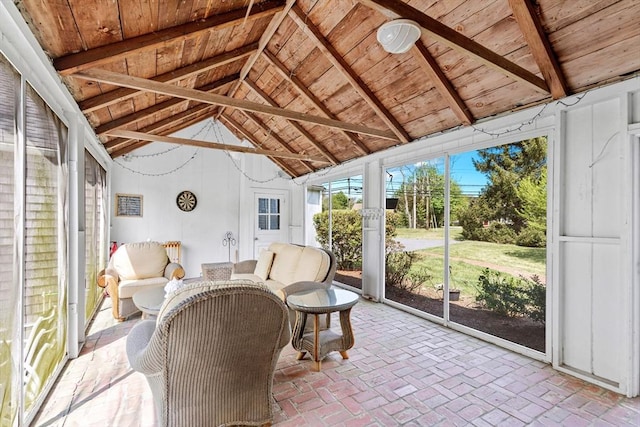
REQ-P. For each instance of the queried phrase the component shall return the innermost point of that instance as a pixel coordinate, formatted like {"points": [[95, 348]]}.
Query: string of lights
{"points": [[206, 128], [530, 121]]}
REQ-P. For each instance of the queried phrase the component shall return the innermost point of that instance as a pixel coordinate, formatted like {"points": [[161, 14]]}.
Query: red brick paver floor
{"points": [[403, 370]]}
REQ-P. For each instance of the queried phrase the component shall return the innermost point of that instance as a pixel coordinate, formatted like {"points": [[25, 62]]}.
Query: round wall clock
{"points": [[186, 201]]}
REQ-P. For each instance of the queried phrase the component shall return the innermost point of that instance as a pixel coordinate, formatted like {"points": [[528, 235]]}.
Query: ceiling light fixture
{"points": [[398, 36]]}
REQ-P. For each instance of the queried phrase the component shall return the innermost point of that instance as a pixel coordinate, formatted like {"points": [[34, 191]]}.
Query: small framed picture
{"points": [[129, 205]]}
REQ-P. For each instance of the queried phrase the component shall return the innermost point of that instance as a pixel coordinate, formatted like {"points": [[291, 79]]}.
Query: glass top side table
{"points": [[321, 342]]}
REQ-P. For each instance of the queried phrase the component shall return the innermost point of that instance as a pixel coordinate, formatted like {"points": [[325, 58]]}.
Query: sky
{"points": [[462, 172]]}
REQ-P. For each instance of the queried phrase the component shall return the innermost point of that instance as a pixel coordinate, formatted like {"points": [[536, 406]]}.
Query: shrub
{"points": [[532, 238], [346, 239], [500, 294], [536, 300], [347, 235], [498, 232], [398, 264], [416, 279], [510, 296]]}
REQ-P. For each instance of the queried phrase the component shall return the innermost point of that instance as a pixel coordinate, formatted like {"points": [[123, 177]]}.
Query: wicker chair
{"points": [[211, 358], [132, 268]]}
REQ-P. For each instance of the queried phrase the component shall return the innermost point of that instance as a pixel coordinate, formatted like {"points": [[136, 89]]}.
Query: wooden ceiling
{"points": [[306, 81]]}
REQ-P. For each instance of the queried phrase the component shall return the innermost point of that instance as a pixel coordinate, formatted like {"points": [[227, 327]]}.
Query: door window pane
{"points": [[263, 205], [45, 244], [9, 295]]}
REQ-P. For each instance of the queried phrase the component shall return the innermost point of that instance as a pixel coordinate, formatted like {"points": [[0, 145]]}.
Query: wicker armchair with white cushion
{"points": [[132, 268], [211, 355]]}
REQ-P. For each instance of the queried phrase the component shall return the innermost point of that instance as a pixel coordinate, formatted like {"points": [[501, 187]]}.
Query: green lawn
{"points": [[434, 233], [464, 274]]}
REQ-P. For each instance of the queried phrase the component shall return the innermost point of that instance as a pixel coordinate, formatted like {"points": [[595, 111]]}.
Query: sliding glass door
{"points": [[490, 273], [33, 244]]}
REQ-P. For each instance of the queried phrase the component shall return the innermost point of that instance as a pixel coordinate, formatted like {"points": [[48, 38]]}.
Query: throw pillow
{"points": [[263, 266]]}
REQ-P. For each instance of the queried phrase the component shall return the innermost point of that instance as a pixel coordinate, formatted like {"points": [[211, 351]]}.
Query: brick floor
{"points": [[403, 370]]}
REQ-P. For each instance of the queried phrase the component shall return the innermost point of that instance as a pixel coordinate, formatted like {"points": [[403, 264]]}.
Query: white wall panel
{"points": [[576, 197], [606, 169], [575, 282], [607, 323]]}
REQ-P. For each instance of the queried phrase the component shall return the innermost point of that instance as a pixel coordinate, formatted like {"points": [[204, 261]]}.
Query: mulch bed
{"points": [[519, 330]]}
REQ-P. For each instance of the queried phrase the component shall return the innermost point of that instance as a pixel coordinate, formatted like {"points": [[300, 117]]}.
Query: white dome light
{"points": [[398, 36]]}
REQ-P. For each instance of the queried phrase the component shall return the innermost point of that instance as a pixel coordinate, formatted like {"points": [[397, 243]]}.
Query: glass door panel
{"points": [[498, 263], [414, 257], [45, 245]]}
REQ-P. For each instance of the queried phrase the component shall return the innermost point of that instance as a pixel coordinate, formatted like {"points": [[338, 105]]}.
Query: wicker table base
{"points": [[217, 270]]}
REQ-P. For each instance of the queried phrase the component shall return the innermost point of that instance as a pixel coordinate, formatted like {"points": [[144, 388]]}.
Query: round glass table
{"points": [[149, 301], [321, 341]]}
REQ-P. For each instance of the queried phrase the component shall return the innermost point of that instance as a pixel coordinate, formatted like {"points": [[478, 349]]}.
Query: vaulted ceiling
{"points": [[307, 83]]}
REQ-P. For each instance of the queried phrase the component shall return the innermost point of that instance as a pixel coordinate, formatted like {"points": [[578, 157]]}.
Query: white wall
{"points": [[222, 191]]}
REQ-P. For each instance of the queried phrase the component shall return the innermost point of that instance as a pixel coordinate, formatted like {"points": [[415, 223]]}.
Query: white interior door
{"points": [[271, 222]]}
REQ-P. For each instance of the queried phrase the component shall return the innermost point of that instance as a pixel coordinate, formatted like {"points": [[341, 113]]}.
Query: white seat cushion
{"points": [[127, 288]]}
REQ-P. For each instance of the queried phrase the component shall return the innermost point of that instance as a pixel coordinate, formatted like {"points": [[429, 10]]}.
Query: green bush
{"points": [[398, 263], [346, 238], [510, 296], [500, 294], [536, 300], [498, 232], [347, 235], [531, 238]]}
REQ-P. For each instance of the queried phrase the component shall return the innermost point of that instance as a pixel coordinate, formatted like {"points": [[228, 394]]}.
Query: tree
{"points": [[339, 200], [507, 167], [424, 190]]}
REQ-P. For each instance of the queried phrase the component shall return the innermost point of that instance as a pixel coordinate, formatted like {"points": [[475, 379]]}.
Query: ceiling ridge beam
{"points": [[442, 83], [306, 92], [122, 94], [160, 107], [271, 29], [459, 42], [211, 145], [275, 136], [167, 124], [541, 49], [305, 134], [69, 64], [340, 64], [241, 130], [211, 98]]}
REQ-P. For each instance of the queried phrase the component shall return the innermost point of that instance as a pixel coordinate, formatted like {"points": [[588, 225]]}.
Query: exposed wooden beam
{"points": [[275, 136], [121, 94], [266, 98], [448, 36], [338, 61], [271, 29], [211, 98], [160, 107], [541, 49], [135, 144], [242, 131], [212, 145], [101, 55], [442, 84], [170, 124], [310, 97]]}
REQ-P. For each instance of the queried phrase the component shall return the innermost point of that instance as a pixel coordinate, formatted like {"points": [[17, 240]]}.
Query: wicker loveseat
{"points": [[286, 268], [211, 357], [133, 267]]}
